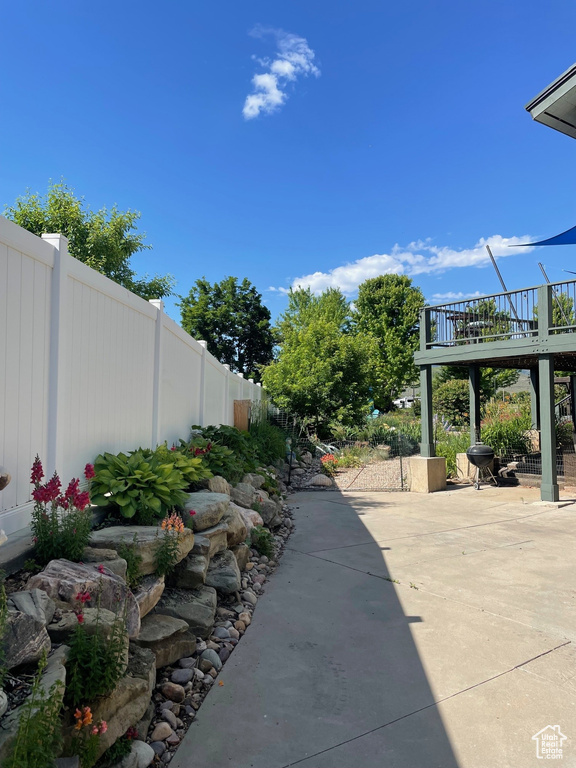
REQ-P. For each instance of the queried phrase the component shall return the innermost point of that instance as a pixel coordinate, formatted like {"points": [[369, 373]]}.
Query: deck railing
{"points": [[500, 316]]}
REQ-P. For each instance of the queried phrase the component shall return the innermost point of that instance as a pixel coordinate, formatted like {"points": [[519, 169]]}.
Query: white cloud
{"points": [[293, 58], [417, 258]]}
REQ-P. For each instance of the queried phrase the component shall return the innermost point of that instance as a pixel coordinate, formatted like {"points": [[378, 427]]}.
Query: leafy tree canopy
{"points": [[491, 379], [104, 240], [304, 307], [388, 310], [231, 318]]}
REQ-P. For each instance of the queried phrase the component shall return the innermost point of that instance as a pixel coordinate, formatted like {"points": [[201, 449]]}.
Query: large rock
{"points": [[201, 545], [108, 558], [250, 517], [145, 538], [63, 580], [270, 512], [129, 701], [256, 481], [25, 639], [218, 484], [209, 508], [95, 620], [35, 603], [223, 573], [320, 481], [149, 592], [141, 755], [218, 538], [242, 555], [191, 572], [54, 677], [167, 637], [243, 494], [197, 609], [237, 529]]}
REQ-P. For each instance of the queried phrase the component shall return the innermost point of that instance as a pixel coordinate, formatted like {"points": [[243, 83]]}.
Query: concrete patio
{"points": [[404, 631]]}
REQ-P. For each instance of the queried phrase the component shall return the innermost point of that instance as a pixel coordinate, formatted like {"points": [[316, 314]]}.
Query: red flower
{"points": [[37, 471], [173, 448], [80, 617], [131, 733], [89, 471], [82, 500], [83, 596], [101, 568], [192, 512]]}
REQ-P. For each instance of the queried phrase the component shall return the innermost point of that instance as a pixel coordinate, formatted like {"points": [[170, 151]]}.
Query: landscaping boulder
{"points": [[242, 555], [217, 537], [129, 701], [250, 517], [243, 494], [270, 512], [237, 530], [95, 620], [141, 755], [63, 580], [34, 602], [108, 558], [167, 637], [201, 545], [147, 540], [209, 508], [218, 484], [223, 573], [256, 481], [148, 592], [197, 609], [25, 639], [54, 675], [320, 481], [191, 572]]}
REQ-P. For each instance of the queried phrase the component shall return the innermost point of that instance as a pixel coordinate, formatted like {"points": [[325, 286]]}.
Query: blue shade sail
{"points": [[564, 238]]}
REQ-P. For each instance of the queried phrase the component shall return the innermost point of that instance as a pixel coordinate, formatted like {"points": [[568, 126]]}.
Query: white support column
{"points": [[157, 374], [57, 357], [204, 346], [241, 391]]}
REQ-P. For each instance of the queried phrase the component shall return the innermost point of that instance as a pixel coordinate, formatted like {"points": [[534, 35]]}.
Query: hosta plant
{"points": [[140, 488]]}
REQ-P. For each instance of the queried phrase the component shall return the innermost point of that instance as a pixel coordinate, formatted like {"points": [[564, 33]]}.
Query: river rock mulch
{"points": [[182, 687]]}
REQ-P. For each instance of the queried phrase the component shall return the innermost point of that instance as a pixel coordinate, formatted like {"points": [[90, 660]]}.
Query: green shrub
{"points": [[448, 445], [118, 751], [270, 441], [129, 552], [141, 488], [192, 466], [39, 731], [451, 401], [219, 459], [96, 662], [262, 541]]}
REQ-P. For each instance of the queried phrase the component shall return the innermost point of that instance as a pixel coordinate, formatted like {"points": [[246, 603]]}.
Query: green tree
{"points": [[322, 374], [231, 318], [491, 379], [104, 240], [388, 311]]}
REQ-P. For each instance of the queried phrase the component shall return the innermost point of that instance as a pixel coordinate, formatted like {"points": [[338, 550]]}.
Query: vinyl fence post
{"points": [[157, 373]]}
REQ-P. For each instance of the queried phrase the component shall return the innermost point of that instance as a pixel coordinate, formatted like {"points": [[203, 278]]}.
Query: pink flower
{"points": [[82, 500], [89, 471], [37, 471], [84, 596], [103, 726], [192, 512], [35, 539], [80, 617], [95, 730], [101, 568], [173, 448]]}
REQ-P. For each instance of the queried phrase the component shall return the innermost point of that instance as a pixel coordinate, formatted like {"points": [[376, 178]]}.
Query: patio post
{"points": [[534, 398], [549, 487], [474, 381], [427, 444]]}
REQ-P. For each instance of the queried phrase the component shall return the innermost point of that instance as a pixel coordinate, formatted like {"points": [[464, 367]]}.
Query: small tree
{"points": [[231, 318], [104, 240]]}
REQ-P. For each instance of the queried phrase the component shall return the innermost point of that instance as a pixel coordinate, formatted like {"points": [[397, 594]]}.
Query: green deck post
{"points": [[534, 399], [474, 381], [427, 445], [549, 487]]}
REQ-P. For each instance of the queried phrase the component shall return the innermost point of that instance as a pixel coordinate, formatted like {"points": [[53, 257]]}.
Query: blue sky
{"points": [[376, 137]]}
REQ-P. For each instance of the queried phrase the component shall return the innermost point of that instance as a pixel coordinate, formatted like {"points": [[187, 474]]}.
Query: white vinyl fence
{"points": [[86, 366]]}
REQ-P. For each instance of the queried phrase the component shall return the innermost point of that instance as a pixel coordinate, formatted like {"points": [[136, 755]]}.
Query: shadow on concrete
{"points": [[328, 675]]}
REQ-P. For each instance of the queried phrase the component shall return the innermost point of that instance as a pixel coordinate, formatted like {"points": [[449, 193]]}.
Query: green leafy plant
{"points": [[219, 459], [190, 464], [39, 731], [129, 552], [269, 440], [119, 750], [61, 521], [166, 552], [262, 541], [86, 741], [96, 660], [3, 626], [448, 445], [140, 488]]}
